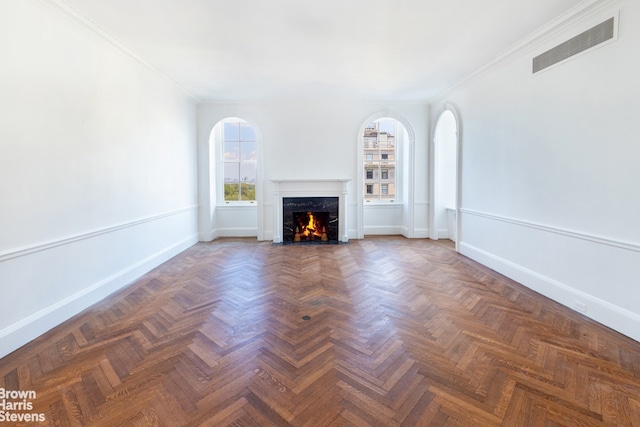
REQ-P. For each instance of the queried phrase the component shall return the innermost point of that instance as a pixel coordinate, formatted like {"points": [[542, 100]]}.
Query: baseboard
{"points": [[207, 236], [384, 230], [236, 232], [610, 315], [31, 327], [421, 233], [443, 233]]}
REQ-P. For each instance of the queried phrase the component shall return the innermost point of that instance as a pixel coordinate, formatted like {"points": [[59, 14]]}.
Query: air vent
{"points": [[590, 38]]}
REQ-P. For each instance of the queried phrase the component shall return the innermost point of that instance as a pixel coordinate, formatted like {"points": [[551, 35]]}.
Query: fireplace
{"points": [[310, 219], [314, 209]]}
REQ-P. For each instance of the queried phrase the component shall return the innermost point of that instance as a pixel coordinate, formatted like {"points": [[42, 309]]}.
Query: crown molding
{"points": [[75, 17], [580, 11]]}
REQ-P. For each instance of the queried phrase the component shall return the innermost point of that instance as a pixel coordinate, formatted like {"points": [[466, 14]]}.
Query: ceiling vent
{"points": [[586, 40]]}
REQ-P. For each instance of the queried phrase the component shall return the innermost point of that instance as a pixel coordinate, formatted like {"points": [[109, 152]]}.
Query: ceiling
{"points": [[394, 50]]}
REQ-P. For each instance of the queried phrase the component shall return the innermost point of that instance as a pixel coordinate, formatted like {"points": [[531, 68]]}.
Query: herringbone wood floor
{"points": [[401, 332]]}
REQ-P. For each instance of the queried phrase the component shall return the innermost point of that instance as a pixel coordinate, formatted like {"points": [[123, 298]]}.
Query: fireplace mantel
{"points": [[310, 188]]}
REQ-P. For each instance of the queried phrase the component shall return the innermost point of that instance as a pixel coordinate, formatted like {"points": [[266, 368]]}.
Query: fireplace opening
{"points": [[310, 220], [311, 226]]}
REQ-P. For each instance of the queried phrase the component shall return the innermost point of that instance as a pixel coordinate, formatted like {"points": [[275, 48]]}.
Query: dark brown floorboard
{"points": [[401, 333]]}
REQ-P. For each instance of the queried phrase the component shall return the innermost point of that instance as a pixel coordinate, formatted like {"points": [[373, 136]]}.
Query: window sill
{"points": [[238, 205], [383, 203]]}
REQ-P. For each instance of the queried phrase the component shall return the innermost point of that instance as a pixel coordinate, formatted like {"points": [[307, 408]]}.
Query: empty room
{"points": [[367, 213]]}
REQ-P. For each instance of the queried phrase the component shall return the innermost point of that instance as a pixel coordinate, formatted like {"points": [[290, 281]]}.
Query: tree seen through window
{"points": [[239, 148]]}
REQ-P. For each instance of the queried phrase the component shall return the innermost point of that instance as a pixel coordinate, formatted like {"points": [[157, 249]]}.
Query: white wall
{"points": [[97, 169], [550, 178], [310, 139]]}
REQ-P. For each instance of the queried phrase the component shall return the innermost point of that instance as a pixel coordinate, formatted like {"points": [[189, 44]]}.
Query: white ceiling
{"points": [[232, 50]]}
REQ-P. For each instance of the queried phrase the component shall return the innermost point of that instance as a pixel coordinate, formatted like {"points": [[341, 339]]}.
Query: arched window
{"points": [[386, 177], [380, 141], [237, 144]]}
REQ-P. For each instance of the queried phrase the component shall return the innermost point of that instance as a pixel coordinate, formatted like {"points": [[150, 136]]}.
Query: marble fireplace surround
{"points": [[310, 188]]}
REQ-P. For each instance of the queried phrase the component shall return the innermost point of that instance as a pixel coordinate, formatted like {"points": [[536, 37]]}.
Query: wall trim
{"points": [[442, 233], [16, 253], [236, 232], [73, 15], [207, 236], [382, 206], [384, 230], [557, 230], [582, 10], [238, 207], [20, 333], [421, 233], [617, 318]]}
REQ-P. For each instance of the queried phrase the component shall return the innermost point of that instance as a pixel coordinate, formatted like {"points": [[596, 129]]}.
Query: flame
{"points": [[311, 228], [312, 222]]}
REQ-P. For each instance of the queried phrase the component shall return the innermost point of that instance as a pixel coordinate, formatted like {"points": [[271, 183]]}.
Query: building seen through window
{"points": [[380, 160], [239, 154]]}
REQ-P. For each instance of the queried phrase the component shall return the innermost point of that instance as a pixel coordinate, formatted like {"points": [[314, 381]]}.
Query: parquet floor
{"points": [[400, 333]]}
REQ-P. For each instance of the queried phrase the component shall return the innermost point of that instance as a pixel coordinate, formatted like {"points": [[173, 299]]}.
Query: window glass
{"points": [[248, 172], [248, 151], [239, 160], [380, 150], [231, 151], [231, 180], [231, 131], [246, 132], [247, 181]]}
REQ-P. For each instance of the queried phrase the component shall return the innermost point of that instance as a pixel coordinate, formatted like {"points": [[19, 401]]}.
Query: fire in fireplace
{"points": [[310, 219], [311, 226]]}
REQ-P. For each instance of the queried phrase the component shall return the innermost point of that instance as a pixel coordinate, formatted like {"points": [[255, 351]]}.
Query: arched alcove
{"points": [[385, 176], [445, 175], [231, 184]]}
